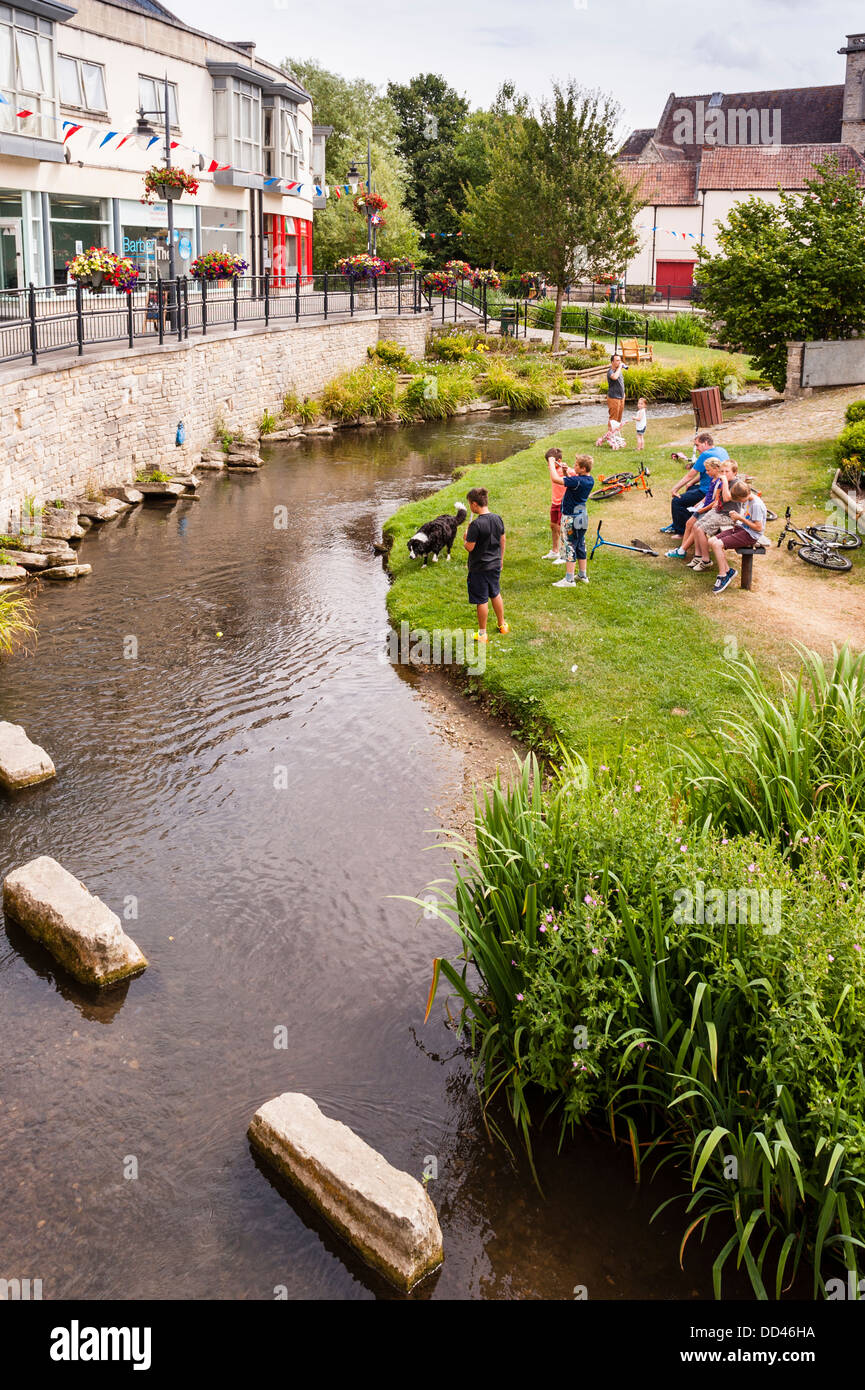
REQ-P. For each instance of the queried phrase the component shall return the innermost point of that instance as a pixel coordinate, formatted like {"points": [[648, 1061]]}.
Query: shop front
{"points": [[287, 248], [76, 225], [144, 237]]}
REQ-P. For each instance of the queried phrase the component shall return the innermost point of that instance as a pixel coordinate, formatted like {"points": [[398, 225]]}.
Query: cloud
{"points": [[726, 51], [506, 36]]}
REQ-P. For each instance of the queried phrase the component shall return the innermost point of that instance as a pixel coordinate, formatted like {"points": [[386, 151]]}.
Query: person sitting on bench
{"points": [[749, 522], [695, 485]]}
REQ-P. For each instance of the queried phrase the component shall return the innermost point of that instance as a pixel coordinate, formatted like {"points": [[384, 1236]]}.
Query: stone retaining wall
{"points": [[98, 420]]}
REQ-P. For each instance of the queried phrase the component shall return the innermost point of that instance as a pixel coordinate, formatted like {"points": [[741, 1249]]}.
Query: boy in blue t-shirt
{"points": [[578, 482]]}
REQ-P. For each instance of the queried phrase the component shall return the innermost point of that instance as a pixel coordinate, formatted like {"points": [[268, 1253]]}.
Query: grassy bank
{"points": [[637, 651]]}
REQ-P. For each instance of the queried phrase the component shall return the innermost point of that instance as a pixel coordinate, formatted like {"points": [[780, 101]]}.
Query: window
{"points": [[76, 224], [151, 97], [27, 67], [222, 229], [81, 83], [247, 126], [281, 141]]}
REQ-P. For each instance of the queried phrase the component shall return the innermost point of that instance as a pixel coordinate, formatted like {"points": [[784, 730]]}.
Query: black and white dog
{"points": [[437, 535]]}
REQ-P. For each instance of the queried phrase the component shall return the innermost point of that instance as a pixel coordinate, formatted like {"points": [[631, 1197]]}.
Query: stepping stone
{"points": [[169, 490], [41, 545], [125, 494], [67, 572], [101, 511], [212, 464], [12, 572], [244, 460], [384, 1213], [279, 435], [22, 763], [187, 481], [79, 930], [31, 561]]}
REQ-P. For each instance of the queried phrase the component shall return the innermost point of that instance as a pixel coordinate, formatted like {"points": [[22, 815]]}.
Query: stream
{"points": [[247, 792]]}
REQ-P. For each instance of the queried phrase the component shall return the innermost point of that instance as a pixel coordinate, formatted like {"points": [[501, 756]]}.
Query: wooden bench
{"points": [[632, 352], [747, 574]]}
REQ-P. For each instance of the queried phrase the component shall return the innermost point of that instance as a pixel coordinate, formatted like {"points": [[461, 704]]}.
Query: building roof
{"points": [[807, 114], [661, 183], [743, 167], [636, 143]]}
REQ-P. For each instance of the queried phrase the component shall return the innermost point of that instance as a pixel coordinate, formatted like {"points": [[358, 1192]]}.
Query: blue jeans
{"points": [[680, 505]]}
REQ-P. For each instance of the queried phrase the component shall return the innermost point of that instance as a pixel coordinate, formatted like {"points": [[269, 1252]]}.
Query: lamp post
{"points": [[144, 128], [353, 180]]}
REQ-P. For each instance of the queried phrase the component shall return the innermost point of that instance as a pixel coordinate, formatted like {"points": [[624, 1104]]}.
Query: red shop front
{"points": [[287, 247]]}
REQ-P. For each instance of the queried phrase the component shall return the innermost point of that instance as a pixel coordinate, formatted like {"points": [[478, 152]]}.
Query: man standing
{"points": [[694, 486], [485, 543], [616, 388]]}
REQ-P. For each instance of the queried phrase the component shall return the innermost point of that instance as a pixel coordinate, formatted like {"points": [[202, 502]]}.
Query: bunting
{"points": [[694, 236]]}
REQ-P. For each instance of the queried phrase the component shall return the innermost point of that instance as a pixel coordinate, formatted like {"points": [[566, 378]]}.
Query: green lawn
{"points": [[638, 649]]}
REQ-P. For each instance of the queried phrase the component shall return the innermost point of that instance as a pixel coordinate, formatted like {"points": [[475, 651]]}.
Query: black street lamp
{"points": [[353, 180], [144, 128]]}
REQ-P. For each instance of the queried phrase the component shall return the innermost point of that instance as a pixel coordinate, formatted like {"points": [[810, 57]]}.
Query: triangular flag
{"points": [[212, 166], [222, 167], [154, 139], [337, 191], [173, 145], [4, 100], [110, 136], [22, 114], [123, 141]]}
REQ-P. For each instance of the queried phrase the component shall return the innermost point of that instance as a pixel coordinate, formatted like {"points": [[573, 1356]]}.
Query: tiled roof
{"points": [[768, 166], [636, 143], [808, 115], [667, 184]]}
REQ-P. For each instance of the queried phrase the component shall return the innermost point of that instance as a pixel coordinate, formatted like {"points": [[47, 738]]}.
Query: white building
{"points": [[96, 66]]}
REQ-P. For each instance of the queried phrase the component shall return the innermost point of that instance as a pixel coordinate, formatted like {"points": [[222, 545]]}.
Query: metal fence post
{"points": [[235, 291], [351, 295], [586, 329], [669, 287], [177, 308], [398, 293], [130, 322], [484, 301], [266, 298], [375, 293], [160, 306], [204, 307], [325, 294], [297, 297], [31, 305], [79, 316]]}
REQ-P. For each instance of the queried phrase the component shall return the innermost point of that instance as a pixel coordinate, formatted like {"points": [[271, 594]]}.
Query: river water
{"points": [[248, 791]]}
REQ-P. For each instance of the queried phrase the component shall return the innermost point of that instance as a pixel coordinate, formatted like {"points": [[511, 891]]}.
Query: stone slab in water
{"points": [[32, 561], [61, 523], [79, 930], [22, 763], [384, 1213], [278, 436], [125, 494], [212, 463], [169, 490], [101, 511], [45, 545], [67, 572], [12, 572]]}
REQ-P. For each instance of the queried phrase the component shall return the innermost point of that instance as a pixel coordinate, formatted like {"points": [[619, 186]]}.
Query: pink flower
{"points": [[520, 997], [549, 917], [542, 927], [752, 868], [683, 849], [637, 787], [546, 866], [857, 947], [594, 950], [604, 768], [831, 957], [725, 842]]}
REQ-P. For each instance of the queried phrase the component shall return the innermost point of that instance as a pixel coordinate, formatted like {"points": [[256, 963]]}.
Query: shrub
{"points": [[391, 354], [850, 453], [437, 393], [609, 992], [855, 412], [368, 390], [267, 423], [16, 624], [680, 328], [659, 383], [307, 411], [503, 386]]}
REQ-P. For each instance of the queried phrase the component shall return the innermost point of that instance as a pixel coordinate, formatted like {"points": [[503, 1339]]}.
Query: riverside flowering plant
{"points": [[97, 267], [161, 182], [362, 267], [490, 278], [218, 265]]}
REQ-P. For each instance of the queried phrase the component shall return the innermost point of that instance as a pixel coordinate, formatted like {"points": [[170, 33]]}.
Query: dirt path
{"points": [[820, 416]]}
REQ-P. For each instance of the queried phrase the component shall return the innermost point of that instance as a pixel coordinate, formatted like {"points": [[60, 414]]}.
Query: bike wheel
{"points": [[824, 559], [603, 493], [833, 535], [770, 515]]}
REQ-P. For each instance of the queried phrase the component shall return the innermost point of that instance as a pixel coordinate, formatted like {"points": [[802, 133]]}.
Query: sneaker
{"points": [[568, 582], [701, 566], [692, 564], [582, 578], [550, 555], [504, 629], [560, 560], [481, 637], [677, 554], [668, 530], [724, 581]]}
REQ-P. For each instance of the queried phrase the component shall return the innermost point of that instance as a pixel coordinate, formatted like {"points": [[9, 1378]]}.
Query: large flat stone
{"points": [[61, 523], [12, 571], [79, 930], [279, 436], [22, 763], [101, 511], [169, 490], [66, 572], [124, 493], [30, 560], [384, 1213], [43, 545]]}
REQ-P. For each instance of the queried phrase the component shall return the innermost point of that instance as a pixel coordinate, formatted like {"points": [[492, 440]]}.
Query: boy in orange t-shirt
{"points": [[557, 473]]}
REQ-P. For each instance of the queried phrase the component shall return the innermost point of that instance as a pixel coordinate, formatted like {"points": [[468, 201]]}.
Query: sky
{"points": [[637, 51]]}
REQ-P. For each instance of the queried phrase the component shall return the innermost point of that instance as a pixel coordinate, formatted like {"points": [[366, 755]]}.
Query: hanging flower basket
{"points": [[218, 265], [532, 282], [98, 268], [460, 270], [368, 203], [362, 267], [401, 265], [439, 281], [168, 184], [490, 278]]}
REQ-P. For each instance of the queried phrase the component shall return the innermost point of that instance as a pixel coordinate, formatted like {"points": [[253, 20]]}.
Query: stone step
{"points": [[66, 572], [169, 490], [22, 763], [101, 511], [124, 493], [31, 561], [384, 1213], [79, 930], [12, 572]]}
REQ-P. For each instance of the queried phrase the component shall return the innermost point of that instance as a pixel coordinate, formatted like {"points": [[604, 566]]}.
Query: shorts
{"points": [[575, 540], [711, 522], [642, 431], [737, 537], [483, 585], [615, 407], [555, 513]]}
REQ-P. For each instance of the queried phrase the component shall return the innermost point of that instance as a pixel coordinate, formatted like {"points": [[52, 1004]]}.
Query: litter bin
{"points": [[508, 321], [707, 407]]}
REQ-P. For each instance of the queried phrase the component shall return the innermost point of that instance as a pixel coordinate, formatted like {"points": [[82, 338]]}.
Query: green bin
{"points": [[508, 321]]}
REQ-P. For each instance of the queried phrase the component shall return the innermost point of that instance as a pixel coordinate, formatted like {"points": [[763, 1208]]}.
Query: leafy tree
{"points": [[357, 110], [430, 117], [789, 271], [556, 201]]}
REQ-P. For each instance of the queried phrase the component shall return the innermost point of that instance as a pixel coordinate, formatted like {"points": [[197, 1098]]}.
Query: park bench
{"points": [[632, 352], [747, 554]]}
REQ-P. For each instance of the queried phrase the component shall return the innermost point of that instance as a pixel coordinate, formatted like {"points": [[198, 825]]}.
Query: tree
{"points": [[789, 271], [555, 201], [430, 117], [357, 110]]}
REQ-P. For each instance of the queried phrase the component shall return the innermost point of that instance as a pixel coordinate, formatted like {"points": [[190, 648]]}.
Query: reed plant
{"points": [[16, 622]]}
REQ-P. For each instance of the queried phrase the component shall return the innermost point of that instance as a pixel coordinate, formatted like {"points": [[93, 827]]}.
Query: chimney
{"points": [[853, 109], [247, 48]]}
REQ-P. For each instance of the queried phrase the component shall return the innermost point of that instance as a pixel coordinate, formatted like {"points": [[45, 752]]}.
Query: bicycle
{"points": [[617, 483], [821, 545]]}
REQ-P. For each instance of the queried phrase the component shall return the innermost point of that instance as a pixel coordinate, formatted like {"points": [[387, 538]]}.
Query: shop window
{"points": [[27, 66], [151, 98], [82, 84]]}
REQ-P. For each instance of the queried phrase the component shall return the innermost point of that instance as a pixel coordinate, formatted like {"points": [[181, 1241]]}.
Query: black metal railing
{"points": [[44, 319], [647, 296]]}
